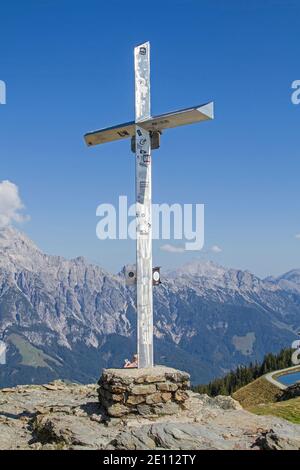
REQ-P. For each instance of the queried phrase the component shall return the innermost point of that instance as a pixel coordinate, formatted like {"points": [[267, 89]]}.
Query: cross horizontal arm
{"points": [[109, 134], [158, 123], [179, 118]]}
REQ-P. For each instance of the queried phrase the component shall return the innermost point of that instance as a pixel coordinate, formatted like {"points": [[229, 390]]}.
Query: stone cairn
{"points": [[147, 392]]}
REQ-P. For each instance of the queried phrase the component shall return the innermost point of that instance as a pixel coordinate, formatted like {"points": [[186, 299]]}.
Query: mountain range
{"points": [[68, 319]]}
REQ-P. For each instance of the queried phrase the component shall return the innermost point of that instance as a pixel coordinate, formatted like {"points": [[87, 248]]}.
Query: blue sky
{"points": [[68, 66]]}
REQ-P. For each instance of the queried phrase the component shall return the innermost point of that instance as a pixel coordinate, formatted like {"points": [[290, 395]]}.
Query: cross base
{"points": [[148, 392]]}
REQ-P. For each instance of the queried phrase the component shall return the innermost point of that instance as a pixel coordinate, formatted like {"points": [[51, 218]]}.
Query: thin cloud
{"points": [[11, 204], [216, 249], [169, 248], [297, 236], [172, 248]]}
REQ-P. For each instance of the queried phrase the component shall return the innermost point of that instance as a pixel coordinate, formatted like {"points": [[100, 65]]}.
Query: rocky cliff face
{"points": [[69, 319], [61, 416]]}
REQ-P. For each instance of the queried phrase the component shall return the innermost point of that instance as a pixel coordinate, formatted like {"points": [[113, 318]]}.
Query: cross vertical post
{"points": [[143, 208]]}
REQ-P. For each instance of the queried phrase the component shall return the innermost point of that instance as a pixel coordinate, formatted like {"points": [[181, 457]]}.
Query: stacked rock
{"points": [[147, 392], [293, 391]]}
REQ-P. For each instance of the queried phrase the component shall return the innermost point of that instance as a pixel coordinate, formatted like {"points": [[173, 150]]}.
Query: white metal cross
{"points": [[145, 132]]}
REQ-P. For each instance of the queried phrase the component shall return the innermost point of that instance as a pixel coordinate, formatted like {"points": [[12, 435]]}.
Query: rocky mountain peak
{"points": [[14, 240], [289, 281], [17, 251], [203, 274], [200, 268]]}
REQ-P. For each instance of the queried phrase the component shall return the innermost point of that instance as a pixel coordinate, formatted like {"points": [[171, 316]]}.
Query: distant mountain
{"points": [[289, 281], [68, 318]]}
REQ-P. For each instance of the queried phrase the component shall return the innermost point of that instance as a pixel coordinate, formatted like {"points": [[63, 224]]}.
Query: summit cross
{"points": [[144, 133]]}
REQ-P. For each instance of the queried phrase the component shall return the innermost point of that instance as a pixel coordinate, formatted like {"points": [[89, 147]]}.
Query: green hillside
{"points": [[257, 392], [289, 409], [260, 397], [31, 356]]}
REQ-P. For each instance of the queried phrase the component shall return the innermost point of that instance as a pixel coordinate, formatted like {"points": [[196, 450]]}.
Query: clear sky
{"points": [[68, 67]]}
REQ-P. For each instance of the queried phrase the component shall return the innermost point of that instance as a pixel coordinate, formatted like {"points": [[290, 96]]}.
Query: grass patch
{"points": [[260, 397], [257, 392], [289, 409], [31, 356]]}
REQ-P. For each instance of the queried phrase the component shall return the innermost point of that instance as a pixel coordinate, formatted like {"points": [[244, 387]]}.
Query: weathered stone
{"points": [[49, 428], [118, 388], [117, 397], [185, 385], [226, 403], [145, 410], [135, 399], [127, 376], [169, 408], [117, 410], [140, 380], [103, 393], [179, 436], [143, 389], [293, 391], [120, 376], [158, 409], [180, 396], [123, 380], [114, 388], [278, 440], [166, 396], [155, 378], [177, 376], [67, 431], [154, 398], [167, 387], [55, 385]]}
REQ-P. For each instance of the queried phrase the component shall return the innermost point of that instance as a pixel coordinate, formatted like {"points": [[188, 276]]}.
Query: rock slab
{"points": [[68, 416]]}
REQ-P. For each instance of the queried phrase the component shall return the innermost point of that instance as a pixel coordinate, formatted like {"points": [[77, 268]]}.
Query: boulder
{"points": [[278, 439], [142, 389], [293, 391]]}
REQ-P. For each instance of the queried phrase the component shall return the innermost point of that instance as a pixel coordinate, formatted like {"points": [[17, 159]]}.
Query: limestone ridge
{"points": [[69, 319]]}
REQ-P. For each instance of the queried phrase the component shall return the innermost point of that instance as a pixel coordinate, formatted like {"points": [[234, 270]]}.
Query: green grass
{"points": [[260, 397], [289, 409], [31, 356]]}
